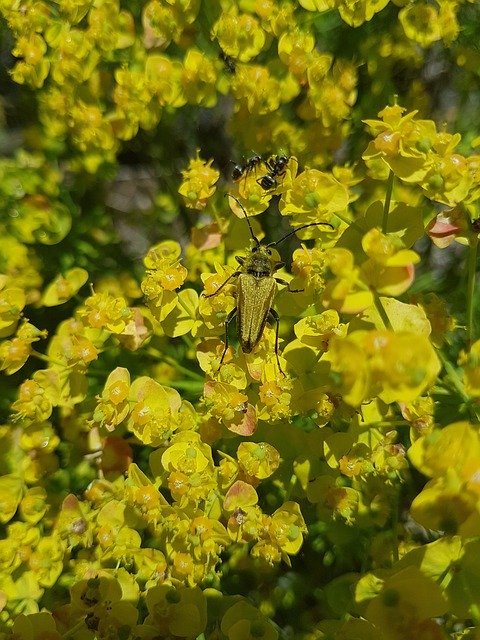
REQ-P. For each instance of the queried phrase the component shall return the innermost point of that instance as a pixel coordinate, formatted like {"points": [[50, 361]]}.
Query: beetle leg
{"points": [[233, 275], [276, 317], [230, 317], [287, 284]]}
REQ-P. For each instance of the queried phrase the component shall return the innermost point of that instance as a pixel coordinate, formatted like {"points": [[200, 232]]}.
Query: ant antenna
{"points": [[246, 217]]}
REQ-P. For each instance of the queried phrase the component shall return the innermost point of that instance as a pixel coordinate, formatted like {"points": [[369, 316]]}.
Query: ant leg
{"points": [[276, 317]]}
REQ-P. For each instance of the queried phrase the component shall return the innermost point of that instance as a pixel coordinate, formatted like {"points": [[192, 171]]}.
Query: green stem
{"points": [[464, 585], [186, 372], [457, 383], [290, 487], [381, 310], [181, 303], [350, 223], [195, 388], [395, 507], [472, 263], [453, 377], [388, 199], [49, 359], [176, 365], [188, 341], [474, 611], [79, 626]]}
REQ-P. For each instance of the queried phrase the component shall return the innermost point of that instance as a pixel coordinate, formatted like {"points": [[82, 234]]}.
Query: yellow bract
{"points": [[239, 35], [64, 287], [471, 366], [198, 183], [258, 460], [406, 602]]}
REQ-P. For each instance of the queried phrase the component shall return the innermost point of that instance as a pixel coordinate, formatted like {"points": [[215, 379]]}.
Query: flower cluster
{"points": [[418, 154], [198, 183], [262, 393]]}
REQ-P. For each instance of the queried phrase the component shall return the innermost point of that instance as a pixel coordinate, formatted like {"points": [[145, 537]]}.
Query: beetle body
{"points": [[254, 301], [255, 291]]}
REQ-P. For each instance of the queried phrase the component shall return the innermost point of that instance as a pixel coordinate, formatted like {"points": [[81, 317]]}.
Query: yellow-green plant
{"points": [[154, 485]]}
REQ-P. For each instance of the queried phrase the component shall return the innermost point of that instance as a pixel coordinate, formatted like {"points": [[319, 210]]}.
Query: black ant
{"points": [[242, 170], [229, 62], [277, 168]]}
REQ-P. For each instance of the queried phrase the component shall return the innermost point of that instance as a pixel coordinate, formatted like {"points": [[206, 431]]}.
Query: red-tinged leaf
{"points": [[241, 494], [246, 424]]}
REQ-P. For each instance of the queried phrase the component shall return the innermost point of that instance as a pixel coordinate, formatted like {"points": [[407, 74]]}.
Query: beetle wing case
{"points": [[254, 300]]}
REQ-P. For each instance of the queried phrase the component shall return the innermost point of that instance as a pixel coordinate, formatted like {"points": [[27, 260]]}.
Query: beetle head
{"points": [[261, 262]]}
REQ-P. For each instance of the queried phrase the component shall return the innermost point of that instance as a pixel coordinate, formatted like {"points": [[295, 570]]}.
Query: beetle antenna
{"points": [[246, 217], [305, 226]]}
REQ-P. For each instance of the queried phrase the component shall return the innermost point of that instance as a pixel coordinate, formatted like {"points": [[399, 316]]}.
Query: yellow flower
{"points": [[32, 402], [239, 35], [179, 612], [12, 301], [258, 460], [199, 79], [405, 605], [198, 182], [420, 22], [287, 528]]}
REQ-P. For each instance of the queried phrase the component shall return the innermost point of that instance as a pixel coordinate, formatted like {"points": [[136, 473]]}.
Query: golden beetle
{"points": [[256, 287]]}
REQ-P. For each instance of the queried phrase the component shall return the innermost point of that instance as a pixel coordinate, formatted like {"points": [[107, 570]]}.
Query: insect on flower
{"points": [[229, 62], [241, 170], [277, 168], [256, 288]]}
